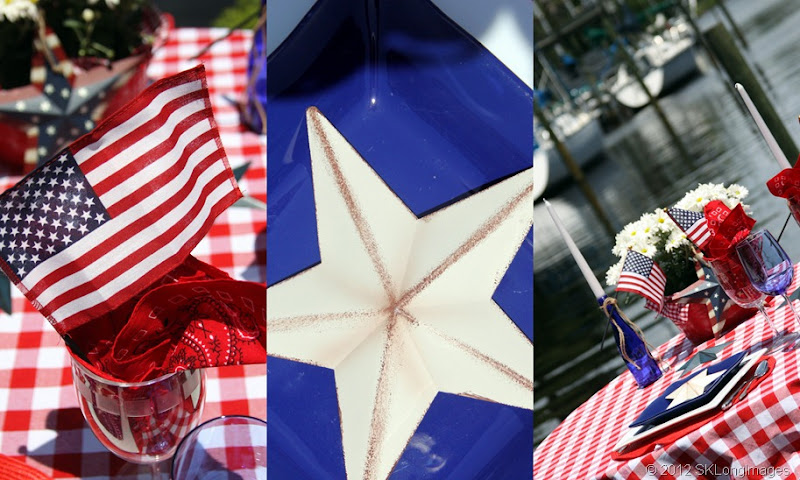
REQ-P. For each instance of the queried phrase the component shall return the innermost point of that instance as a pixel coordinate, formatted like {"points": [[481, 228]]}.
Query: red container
{"points": [[691, 315]]}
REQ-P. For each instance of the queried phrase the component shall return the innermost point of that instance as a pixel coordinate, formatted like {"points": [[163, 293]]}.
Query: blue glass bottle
{"points": [[642, 366]]}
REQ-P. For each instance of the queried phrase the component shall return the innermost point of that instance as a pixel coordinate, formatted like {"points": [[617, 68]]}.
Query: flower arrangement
{"points": [[656, 236], [94, 30]]}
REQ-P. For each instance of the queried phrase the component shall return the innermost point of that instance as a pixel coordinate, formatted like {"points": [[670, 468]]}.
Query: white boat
{"points": [[581, 134], [666, 62]]}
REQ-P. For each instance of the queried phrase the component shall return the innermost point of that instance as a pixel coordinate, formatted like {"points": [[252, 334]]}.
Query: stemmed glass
{"points": [[769, 269], [140, 422], [230, 447]]}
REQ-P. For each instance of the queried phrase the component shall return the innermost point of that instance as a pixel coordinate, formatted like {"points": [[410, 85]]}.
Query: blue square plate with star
{"points": [[399, 239], [691, 392]]}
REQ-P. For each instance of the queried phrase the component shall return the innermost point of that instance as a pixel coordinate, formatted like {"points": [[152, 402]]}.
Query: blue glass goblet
{"points": [[768, 266]]}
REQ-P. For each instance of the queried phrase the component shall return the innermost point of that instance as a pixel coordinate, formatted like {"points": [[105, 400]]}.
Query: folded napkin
{"points": [[682, 429], [786, 184], [195, 317], [727, 227], [13, 469]]}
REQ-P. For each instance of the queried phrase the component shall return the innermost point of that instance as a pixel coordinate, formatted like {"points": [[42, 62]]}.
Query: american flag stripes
{"points": [[120, 207], [641, 275], [675, 311], [694, 224]]}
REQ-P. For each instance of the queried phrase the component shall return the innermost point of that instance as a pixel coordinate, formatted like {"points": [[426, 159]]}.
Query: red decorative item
{"points": [[694, 317], [691, 309], [786, 184], [194, 317], [727, 228]]}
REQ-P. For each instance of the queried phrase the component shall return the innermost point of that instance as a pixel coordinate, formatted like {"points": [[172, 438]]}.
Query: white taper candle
{"points": [[576, 254], [762, 127]]}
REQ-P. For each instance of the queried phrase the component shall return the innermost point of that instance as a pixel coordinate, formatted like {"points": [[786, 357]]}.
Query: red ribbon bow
{"points": [[727, 228], [786, 184]]}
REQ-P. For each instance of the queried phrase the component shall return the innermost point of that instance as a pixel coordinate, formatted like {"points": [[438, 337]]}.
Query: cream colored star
{"points": [[400, 307], [692, 388]]}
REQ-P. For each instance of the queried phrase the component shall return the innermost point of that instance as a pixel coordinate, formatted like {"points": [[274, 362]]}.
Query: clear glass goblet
{"points": [[229, 447], [141, 422], [769, 269]]}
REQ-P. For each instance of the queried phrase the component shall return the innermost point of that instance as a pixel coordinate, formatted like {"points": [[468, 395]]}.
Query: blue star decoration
{"points": [[439, 120], [703, 356], [246, 201], [59, 114], [709, 291]]}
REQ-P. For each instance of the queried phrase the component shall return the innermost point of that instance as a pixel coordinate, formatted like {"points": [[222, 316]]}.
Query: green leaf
{"points": [[72, 23], [109, 53]]}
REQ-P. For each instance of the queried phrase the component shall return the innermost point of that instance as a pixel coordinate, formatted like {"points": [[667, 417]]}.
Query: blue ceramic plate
{"points": [[438, 118], [666, 408]]}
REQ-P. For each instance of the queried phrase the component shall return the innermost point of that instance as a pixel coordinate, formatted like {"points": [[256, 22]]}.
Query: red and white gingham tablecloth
{"points": [[40, 422], [757, 438]]}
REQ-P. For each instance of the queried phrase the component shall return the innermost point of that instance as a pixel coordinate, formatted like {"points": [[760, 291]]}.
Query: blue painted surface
{"points": [[304, 440], [465, 438], [438, 118]]}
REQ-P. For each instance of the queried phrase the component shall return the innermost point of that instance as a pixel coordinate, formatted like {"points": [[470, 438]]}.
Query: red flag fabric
{"points": [[120, 207]]}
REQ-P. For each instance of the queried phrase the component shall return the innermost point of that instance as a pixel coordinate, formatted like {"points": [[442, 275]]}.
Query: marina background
{"points": [[641, 169]]}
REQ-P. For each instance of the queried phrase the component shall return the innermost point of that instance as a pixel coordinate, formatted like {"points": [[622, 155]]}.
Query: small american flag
{"points": [[120, 207], [694, 224], [641, 275]]}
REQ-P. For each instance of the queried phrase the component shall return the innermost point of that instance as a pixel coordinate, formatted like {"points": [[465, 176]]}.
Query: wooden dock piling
{"points": [[576, 172], [724, 47]]}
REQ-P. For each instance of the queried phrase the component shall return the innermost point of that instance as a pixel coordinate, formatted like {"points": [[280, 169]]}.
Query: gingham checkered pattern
{"points": [[40, 422], [756, 437]]}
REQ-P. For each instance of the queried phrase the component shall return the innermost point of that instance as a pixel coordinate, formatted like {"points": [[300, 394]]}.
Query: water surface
{"points": [[641, 171]]}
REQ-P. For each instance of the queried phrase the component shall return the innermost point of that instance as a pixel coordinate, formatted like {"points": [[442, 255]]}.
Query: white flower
{"points": [[737, 191], [676, 240], [662, 221], [627, 237], [613, 273], [695, 200], [655, 233], [649, 225], [112, 3], [648, 249], [13, 10], [87, 15]]}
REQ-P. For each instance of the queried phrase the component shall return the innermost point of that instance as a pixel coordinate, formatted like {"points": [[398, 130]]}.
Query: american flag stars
{"points": [[44, 214]]}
